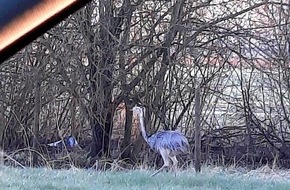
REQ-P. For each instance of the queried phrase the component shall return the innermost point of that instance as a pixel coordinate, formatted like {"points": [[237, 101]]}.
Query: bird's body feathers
{"points": [[173, 141]]}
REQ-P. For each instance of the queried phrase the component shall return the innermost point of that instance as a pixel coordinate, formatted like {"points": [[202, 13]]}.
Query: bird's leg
{"points": [[166, 161], [174, 164]]}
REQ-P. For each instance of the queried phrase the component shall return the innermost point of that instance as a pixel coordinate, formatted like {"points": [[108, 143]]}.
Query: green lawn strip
{"points": [[39, 178]]}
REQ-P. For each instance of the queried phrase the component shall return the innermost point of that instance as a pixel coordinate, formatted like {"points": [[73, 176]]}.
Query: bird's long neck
{"points": [[142, 126]]}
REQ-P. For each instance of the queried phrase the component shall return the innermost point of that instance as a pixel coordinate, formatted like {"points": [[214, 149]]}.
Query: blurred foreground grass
{"points": [[211, 178]]}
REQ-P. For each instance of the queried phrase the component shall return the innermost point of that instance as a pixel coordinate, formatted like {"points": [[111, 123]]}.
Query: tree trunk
{"points": [[126, 150], [73, 117], [101, 75], [2, 126], [1, 157], [35, 130], [197, 152], [101, 135]]}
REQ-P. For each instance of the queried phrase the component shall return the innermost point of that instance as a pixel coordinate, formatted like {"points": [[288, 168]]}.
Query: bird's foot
{"points": [[162, 168], [174, 170]]}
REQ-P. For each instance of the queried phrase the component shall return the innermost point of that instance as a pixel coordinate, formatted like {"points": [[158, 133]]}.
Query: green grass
{"points": [[208, 179]]}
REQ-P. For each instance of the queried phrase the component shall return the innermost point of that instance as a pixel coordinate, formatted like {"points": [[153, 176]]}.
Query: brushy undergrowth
{"points": [[211, 178]]}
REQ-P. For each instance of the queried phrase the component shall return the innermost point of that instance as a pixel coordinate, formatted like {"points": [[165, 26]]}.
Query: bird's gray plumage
{"points": [[167, 143], [170, 140]]}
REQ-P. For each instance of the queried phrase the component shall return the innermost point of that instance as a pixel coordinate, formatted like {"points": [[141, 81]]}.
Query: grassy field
{"points": [[209, 179]]}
